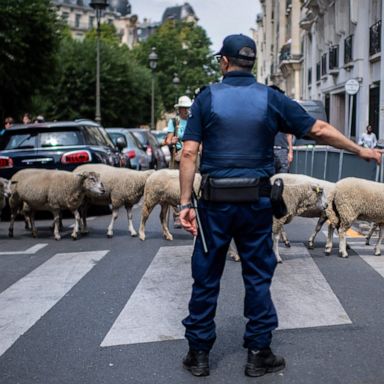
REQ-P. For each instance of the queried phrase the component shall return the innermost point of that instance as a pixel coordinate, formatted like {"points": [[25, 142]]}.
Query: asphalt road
{"points": [[108, 311]]}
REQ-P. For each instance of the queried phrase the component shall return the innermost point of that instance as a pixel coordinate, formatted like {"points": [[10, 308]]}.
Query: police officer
{"points": [[236, 122]]}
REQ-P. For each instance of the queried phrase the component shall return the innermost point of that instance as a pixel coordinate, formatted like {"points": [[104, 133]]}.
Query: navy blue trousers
{"points": [[250, 224]]}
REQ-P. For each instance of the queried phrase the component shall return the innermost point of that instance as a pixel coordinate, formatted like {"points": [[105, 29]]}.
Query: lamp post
{"points": [[176, 83], [152, 58], [98, 6]]}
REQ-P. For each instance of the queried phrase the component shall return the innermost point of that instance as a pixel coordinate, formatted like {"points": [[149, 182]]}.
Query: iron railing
{"points": [[375, 38]]}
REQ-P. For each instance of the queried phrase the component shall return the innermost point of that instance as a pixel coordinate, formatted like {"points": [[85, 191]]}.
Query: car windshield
{"points": [[142, 137], [59, 139], [21, 141]]}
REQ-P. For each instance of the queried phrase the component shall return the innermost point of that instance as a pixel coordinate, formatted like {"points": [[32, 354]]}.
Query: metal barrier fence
{"points": [[328, 163]]}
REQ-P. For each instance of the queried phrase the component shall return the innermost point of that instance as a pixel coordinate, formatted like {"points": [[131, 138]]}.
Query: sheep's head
{"points": [[92, 183], [318, 197], [5, 187]]}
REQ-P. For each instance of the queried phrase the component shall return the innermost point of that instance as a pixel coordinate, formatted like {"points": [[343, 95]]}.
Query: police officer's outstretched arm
{"points": [[187, 175], [325, 133]]}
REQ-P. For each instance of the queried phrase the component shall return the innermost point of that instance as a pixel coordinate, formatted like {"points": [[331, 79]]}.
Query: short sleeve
{"points": [[194, 128], [170, 127], [289, 115]]}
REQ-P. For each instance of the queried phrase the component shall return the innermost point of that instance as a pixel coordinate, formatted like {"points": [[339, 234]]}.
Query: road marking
{"points": [[26, 301], [30, 251], [154, 311], [376, 262], [302, 295]]}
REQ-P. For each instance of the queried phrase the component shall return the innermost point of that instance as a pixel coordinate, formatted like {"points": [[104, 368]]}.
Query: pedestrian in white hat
{"points": [[176, 128]]}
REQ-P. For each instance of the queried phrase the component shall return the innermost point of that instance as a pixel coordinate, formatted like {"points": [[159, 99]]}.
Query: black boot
{"points": [[197, 362], [263, 361]]}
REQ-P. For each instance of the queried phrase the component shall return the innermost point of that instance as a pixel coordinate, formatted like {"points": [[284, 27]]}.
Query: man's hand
{"points": [[174, 140], [290, 157], [371, 154], [188, 220]]}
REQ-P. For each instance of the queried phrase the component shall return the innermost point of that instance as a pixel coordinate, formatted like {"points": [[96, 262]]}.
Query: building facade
{"points": [[327, 44]]}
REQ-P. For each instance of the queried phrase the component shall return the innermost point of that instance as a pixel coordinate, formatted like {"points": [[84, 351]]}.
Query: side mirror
{"points": [[121, 143]]}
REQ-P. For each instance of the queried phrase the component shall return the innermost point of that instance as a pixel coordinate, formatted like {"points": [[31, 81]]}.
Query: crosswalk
{"points": [[301, 293]]}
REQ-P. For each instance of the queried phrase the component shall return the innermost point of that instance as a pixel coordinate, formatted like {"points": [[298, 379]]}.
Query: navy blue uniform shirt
{"points": [[284, 114]]}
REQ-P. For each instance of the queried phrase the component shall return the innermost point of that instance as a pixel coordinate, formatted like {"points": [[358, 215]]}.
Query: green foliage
{"points": [[108, 34], [125, 85], [29, 38], [182, 48]]}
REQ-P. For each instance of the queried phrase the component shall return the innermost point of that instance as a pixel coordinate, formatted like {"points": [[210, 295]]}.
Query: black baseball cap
{"points": [[232, 45]]}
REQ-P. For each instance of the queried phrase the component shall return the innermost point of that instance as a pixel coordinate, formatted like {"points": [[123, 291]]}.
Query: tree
{"points": [[125, 85], [182, 48], [29, 38]]}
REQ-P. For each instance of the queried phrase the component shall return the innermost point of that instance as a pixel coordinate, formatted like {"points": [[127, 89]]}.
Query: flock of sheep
{"points": [[32, 190]]}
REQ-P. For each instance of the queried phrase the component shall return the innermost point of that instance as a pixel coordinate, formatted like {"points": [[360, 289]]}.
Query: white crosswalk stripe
{"points": [[26, 301], [301, 294]]}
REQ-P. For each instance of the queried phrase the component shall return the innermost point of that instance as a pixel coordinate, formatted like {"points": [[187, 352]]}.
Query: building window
{"points": [[318, 71], [333, 57], [324, 64], [375, 38], [285, 52], [77, 21], [110, 21], [374, 108], [309, 76], [91, 22], [348, 52], [65, 16]]}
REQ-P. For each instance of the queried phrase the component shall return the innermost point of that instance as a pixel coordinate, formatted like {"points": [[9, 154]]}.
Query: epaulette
{"points": [[199, 90]]}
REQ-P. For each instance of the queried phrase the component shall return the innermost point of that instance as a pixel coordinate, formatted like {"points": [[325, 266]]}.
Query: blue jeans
{"points": [[250, 225]]}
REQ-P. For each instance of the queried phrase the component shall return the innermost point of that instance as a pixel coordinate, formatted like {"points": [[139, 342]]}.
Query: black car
{"points": [[152, 147], [56, 145]]}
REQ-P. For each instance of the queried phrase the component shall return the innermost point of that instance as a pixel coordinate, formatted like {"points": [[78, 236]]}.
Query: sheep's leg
{"points": [[115, 214], [320, 223], [276, 238], [76, 228], [163, 219], [145, 212], [380, 239], [31, 217], [12, 222], [131, 228], [343, 242], [370, 233], [284, 237], [56, 225], [329, 243], [83, 210]]}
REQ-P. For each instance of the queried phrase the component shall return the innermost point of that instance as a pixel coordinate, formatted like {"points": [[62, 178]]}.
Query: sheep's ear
{"points": [[317, 189], [82, 175]]}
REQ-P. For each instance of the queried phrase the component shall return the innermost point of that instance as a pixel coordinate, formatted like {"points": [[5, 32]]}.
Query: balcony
{"points": [[333, 63], [288, 62], [375, 39]]}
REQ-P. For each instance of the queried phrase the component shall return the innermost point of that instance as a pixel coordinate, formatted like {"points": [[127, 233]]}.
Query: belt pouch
{"points": [[231, 190]]}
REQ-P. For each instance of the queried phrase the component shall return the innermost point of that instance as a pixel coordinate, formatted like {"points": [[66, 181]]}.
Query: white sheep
{"points": [[51, 190], [298, 198], [123, 187], [5, 191], [354, 199], [328, 187], [162, 188]]}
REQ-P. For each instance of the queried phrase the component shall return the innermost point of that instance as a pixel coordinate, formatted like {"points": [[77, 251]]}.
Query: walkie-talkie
{"points": [[279, 208]]}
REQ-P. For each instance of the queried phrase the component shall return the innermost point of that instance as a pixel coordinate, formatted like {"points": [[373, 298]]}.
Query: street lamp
{"points": [[98, 6], [152, 58], [176, 83]]}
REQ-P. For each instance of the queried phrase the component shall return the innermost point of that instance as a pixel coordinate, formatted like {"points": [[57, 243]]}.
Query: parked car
{"points": [[152, 147], [56, 145], [133, 149], [160, 136]]}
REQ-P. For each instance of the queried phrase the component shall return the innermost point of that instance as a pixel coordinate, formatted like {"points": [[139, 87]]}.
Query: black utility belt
{"points": [[235, 190]]}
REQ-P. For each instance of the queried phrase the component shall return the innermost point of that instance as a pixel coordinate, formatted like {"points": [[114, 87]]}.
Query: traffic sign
{"points": [[352, 86]]}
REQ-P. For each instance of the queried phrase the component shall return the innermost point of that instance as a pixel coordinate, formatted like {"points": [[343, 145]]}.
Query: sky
{"points": [[218, 17]]}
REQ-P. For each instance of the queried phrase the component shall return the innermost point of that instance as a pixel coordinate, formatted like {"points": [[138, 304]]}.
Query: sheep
{"points": [[162, 188], [353, 199], [51, 190], [5, 191], [298, 198], [124, 187], [328, 187]]}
